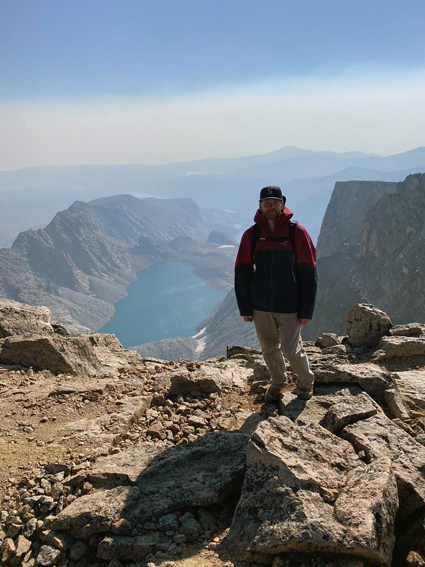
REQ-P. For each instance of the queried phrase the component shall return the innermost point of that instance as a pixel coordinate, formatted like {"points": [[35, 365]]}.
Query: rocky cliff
{"points": [[371, 249], [349, 203], [82, 262], [110, 459]]}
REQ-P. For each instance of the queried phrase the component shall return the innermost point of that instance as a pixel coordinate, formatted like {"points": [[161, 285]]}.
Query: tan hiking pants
{"points": [[280, 335]]}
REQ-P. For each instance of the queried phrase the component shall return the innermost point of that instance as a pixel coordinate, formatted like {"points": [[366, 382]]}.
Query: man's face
{"points": [[271, 208]]}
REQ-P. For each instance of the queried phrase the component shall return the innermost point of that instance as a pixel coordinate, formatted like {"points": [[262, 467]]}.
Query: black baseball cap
{"points": [[271, 192]]}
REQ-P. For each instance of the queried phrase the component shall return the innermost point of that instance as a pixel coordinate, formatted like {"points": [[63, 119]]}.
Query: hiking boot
{"points": [[303, 393], [280, 405], [272, 395]]}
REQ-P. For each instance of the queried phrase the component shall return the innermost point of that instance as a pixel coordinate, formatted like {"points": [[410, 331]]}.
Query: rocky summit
{"points": [[111, 459]]}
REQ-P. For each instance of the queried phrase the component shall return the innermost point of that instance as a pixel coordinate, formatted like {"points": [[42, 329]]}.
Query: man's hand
{"points": [[247, 318], [303, 321]]}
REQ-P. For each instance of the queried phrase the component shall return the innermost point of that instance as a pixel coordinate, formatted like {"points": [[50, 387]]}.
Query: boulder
{"points": [[379, 437], [411, 386], [60, 355], [343, 413], [208, 378], [366, 325], [306, 490], [203, 473], [409, 330], [370, 377], [91, 355], [330, 339], [392, 347], [21, 319]]}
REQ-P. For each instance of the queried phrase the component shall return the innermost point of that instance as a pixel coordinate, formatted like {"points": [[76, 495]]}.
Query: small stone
{"points": [[8, 550], [23, 545], [415, 560], [48, 556], [14, 530], [168, 523], [191, 529], [78, 550], [122, 527], [56, 490], [29, 528]]}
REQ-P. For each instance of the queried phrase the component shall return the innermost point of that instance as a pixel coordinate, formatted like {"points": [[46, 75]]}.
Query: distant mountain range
{"points": [[30, 197]]}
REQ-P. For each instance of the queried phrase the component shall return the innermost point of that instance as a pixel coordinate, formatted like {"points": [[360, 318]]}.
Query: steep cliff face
{"points": [[379, 258], [347, 208], [391, 256]]}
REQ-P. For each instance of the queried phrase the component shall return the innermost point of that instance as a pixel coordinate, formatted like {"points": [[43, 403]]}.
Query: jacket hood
{"points": [[284, 217]]}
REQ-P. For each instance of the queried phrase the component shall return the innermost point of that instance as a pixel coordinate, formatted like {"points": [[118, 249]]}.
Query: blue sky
{"points": [[239, 76]]}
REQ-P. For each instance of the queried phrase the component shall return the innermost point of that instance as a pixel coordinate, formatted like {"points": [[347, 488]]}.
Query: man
{"points": [[275, 287]]}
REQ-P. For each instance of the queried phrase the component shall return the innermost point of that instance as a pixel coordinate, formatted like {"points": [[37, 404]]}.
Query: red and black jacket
{"points": [[274, 278]]}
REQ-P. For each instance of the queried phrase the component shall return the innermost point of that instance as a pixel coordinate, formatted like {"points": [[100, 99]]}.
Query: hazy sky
{"points": [[153, 81]]}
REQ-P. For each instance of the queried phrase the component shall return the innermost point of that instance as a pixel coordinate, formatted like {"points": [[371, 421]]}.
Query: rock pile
{"points": [[190, 463]]}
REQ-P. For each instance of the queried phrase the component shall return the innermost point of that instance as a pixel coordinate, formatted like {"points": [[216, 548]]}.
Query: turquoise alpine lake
{"points": [[165, 301]]}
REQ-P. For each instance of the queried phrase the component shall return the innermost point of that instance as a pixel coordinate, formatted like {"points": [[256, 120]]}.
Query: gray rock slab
{"points": [[341, 414], [325, 396], [393, 347], [90, 355], [123, 468], [21, 319], [200, 474], [409, 330], [366, 325], [306, 490], [411, 386], [379, 437], [73, 355], [369, 377]]}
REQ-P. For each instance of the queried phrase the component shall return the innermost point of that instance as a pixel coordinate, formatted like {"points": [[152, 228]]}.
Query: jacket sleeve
{"points": [[306, 261], [244, 271]]}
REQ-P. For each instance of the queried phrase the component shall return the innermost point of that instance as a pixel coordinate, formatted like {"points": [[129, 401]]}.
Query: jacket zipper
{"points": [[271, 268]]}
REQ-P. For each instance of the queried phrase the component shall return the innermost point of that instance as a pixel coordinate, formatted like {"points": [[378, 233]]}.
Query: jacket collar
{"points": [[283, 219]]}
